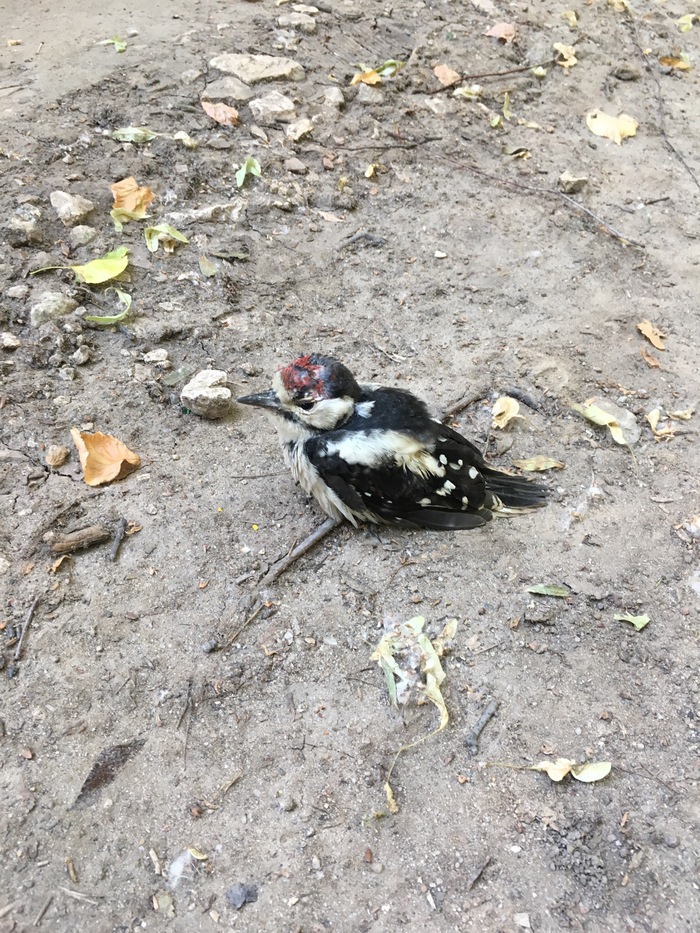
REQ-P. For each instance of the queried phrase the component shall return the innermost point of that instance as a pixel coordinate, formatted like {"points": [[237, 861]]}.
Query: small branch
{"points": [[25, 628], [284, 563], [371, 239], [495, 74], [86, 537], [456, 407], [472, 739], [119, 533]]}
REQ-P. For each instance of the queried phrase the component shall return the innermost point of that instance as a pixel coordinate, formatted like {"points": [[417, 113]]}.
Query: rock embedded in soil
{"points": [[72, 209], [369, 95], [8, 341], [82, 235], [273, 106], [228, 88], [301, 21], [299, 128], [50, 306], [253, 69], [207, 394]]}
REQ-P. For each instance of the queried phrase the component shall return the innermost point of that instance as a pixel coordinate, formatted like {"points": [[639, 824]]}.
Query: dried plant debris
{"points": [[639, 622], [108, 764], [538, 464], [103, 457], [550, 589]]}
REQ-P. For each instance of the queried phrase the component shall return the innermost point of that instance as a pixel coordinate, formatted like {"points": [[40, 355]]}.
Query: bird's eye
{"points": [[306, 406]]}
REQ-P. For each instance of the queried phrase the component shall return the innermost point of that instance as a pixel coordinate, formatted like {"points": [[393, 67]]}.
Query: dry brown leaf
{"points": [[57, 563], [673, 61], [538, 464], [446, 76], [649, 359], [221, 113], [130, 196], [504, 32], [685, 415], [615, 128], [103, 458], [371, 76], [503, 411], [567, 55], [653, 334]]}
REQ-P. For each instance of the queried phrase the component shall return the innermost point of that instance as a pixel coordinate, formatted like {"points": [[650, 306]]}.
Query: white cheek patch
{"points": [[328, 413], [282, 394]]}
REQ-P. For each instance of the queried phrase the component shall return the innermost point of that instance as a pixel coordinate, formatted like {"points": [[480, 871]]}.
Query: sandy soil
{"points": [[265, 748]]}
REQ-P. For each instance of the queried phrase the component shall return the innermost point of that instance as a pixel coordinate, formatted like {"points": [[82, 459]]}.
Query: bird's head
{"points": [[316, 392]]}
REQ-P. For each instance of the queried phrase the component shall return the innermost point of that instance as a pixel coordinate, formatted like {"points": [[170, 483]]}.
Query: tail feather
{"points": [[515, 492]]}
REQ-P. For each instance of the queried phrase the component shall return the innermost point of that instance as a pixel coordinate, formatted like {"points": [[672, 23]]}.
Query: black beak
{"points": [[267, 399]]}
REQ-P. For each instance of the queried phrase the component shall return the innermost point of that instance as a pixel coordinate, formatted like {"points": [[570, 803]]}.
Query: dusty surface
{"points": [[530, 295]]}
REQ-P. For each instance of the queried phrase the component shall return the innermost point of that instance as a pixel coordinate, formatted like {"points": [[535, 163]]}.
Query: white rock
{"points": [[4, 565], [17, 291], [369, 95], [301, 127], [228, 88], [72, 209], [50, 306], [9, 341], [570, 183], [207, 394], [81, 355], [190, 75], [273, 106], [301, 21], [155, 356], [255, 68], [82, 235], [333, 97]]}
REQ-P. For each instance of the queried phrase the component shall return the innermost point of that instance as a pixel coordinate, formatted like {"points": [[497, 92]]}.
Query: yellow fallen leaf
{"points": [[103, 269], [615, 128], [591, 771], [504, 410], [130, 196], [674, 61], [538, 464], [165, 234], [374, 75], [221, 113], [103, 458], [685, 23], [504, 32], [557, 770], [370, 76], [507, 112], [567, 55], [446, 76], [653, 334], [684, 415], [470, 91], [649, 359], [603, 418], [571, 16]]}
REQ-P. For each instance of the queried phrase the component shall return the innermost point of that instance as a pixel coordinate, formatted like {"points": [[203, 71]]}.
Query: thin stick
{"points": [[495, 74], [247, 622], [472, 738], [119, 533], [456, 407], [284, 563], [552, 192], [80, 897], [25, 628], [47, 904]]}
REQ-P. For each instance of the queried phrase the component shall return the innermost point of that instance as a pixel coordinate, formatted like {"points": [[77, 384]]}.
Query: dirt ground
{"points": [[264, 747]]}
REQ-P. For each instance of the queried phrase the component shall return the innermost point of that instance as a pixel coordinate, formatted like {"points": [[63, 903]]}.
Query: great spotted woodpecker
{"points": [[370, 453]]}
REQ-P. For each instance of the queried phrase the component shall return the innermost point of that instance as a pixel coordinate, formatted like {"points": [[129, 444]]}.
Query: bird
{"points": [[372, 453]]}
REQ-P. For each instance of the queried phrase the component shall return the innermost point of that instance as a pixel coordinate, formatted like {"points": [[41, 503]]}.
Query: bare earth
{"points": [[265, 748]]}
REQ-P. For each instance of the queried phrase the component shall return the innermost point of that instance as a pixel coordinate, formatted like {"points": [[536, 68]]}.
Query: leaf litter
{"points": [[504, 410], [131, 201], [96, 271], [639, 622], [103, 458], [652, 333], [411, 664], [614, 128], [164, 234], [124, 299]]}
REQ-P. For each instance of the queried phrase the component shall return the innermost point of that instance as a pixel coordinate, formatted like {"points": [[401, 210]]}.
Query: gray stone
{"points": [[156, 356], [299, 128], [301, 21], [625, 418], [9, 341], [333, 97], [72, 209], [81, 355], [17, 291], [228, 88], [82, 235], [23, 227], [571, 184], [369, 95], [51, 305], [207, 394], [255, 68], [273, 106], [190, 76], [213, 213], [296, 166]]}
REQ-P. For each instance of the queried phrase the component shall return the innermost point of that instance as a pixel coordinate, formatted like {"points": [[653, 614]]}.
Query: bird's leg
{"points": [[285, 562]]}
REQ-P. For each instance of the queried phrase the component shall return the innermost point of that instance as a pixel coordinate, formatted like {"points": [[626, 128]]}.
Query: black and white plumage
{"points": [[369, 453]]}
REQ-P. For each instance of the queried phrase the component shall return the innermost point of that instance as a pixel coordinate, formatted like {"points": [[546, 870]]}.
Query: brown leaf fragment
{"points": [[504, 32], [653, 334], [130, 196], [57, 563], [221, 113], [106, 767], [446, 76], [103, 458], [649, 359]]}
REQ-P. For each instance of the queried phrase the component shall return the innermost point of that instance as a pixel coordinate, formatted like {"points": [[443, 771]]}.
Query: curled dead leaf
{"points": [[446, 76], [649, 359], [504, 32], [504, 410], [685, 415], [103, 457], [130, 196], [615, 128], [680, 63], [566, 55], [653, 334], [221, 113], [556, 770], [538, 464], [591, 771]]}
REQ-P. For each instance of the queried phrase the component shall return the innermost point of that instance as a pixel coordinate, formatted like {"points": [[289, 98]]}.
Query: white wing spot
{"points": [[364, 409], [454, 466], [441, 492], [460, 463], [443, 459], [368, 494], [465, 501], [425, 502], [447, 485], [473, 472], [442, 440]]}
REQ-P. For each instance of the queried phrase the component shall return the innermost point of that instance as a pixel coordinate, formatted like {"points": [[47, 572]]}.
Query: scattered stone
{"points": [[156, 356], [273, 106], [259, 133], [301, 21], [625, 418], [56, 455], [572, 184], [333, 97], [287, 804], [296, 166], [207, 394], [23, 227], [241, 894], [50, 306], [255, 68], [17, 291], [4, 565], [626, 72], [190, 75], [369, 95], [72, 209], [299, 128], [81, 355], [228, 88], [222, 213], [439, 105], [9, 341], [67, 374], [82, 235]]}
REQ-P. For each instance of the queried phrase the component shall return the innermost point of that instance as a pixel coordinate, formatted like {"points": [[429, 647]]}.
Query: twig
{"points": [[495, 74], [552, 192], [8, 908], [119, 533], [247, 622], [80, 897], [472, 739], [370, 238], [25, 628], [257, 475], [47, 904], [284, 563], [380, 147], [456, 407], [86, 537]]}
